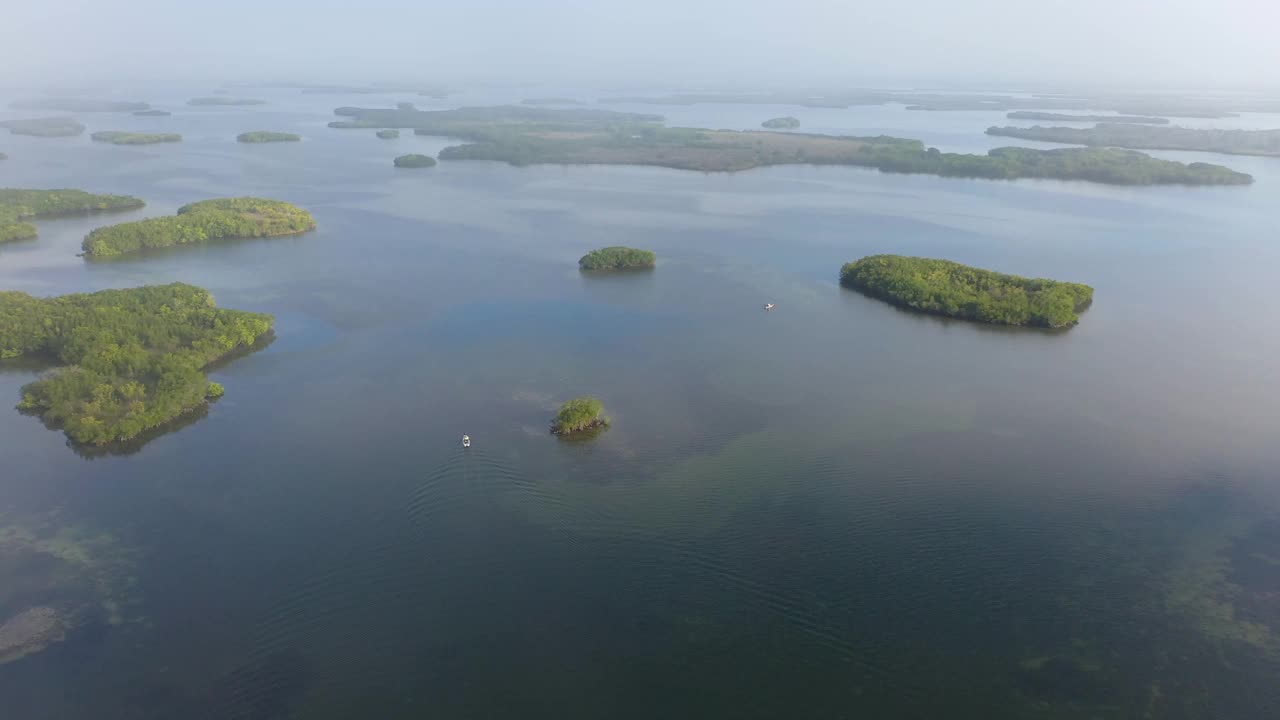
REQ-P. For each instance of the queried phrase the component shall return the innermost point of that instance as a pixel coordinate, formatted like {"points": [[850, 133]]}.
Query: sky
{"points": [[667, 43]]}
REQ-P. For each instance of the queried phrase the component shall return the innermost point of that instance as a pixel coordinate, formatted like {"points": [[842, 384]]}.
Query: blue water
{"points": [[835, 509]]}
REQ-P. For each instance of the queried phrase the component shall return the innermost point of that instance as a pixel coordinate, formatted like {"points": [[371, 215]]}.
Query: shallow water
{"points": [[834, 509]]}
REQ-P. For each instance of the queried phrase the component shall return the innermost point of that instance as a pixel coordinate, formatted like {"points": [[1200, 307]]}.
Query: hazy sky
{"points": [[1166, 42]]}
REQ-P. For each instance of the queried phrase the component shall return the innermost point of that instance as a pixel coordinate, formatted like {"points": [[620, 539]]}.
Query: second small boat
{"points": [[466, 441]]}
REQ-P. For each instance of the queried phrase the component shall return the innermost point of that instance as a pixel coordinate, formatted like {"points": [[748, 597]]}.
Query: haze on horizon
{"points": [[1226, 44]]}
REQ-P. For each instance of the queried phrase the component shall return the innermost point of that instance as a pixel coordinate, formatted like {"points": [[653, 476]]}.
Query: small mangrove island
{"points": [[222, 219], [781, 123], [521, 135], [942, 287], [579, 415], [131, 360], [414, 160], [222, 100], [1061, 117], [18, 206], [77, 105], [120, 137], [44, 127], [153, 113], [617, 258], [1231, 142], [266, 136], [388, 134]]}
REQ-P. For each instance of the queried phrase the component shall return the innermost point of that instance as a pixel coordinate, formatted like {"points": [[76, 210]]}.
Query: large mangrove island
{"points": [[579, 415], [528, 135], [266, 136], [617, 258], [222, 100], [44, 127], [17, 206], [1232, 142], [131, 360], [222, 219], [942, 287], [1062, 117], [120, 137]]}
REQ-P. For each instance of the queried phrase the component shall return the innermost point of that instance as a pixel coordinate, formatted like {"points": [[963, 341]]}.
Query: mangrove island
{"points": [[131, 360], [414, 160], [18, 206], [266, 136], [527, 135], [153, 113], [44, 127], [119, 137], [77, 105], [222, 100], [388, 134], [223, 219], [1231, 142], [579, 415], [942, 287], [1060, 117], [617, 258], [781, 123]]}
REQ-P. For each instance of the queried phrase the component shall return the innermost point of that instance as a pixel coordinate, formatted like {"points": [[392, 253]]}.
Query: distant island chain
{"points": [[523, 135]]}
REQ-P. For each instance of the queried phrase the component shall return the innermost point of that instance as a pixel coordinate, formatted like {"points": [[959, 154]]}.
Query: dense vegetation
{"points": [[16, 206], [781, 123], [153, 113], [266, 136], [120, 137], [1235, 142], [132, 359], [224, 100], [406, 106], [617, 258], [388, 134], [3, 156], [549, 101], [414, 160], [942, 287], [1103, 165], [221, 219], [526, 136], [1060, 117], [79, 105], [44, 127], [579, 415]]}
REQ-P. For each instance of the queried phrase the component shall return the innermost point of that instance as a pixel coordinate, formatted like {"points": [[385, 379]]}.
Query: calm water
{"points": [[833, 510]]}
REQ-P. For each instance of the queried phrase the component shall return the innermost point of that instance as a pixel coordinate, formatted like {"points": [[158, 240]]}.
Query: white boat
{"points": [[466, 441], [768, 306]]}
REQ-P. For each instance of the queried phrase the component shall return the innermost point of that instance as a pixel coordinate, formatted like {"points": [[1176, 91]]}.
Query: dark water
{"points": [[832, 510]]}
